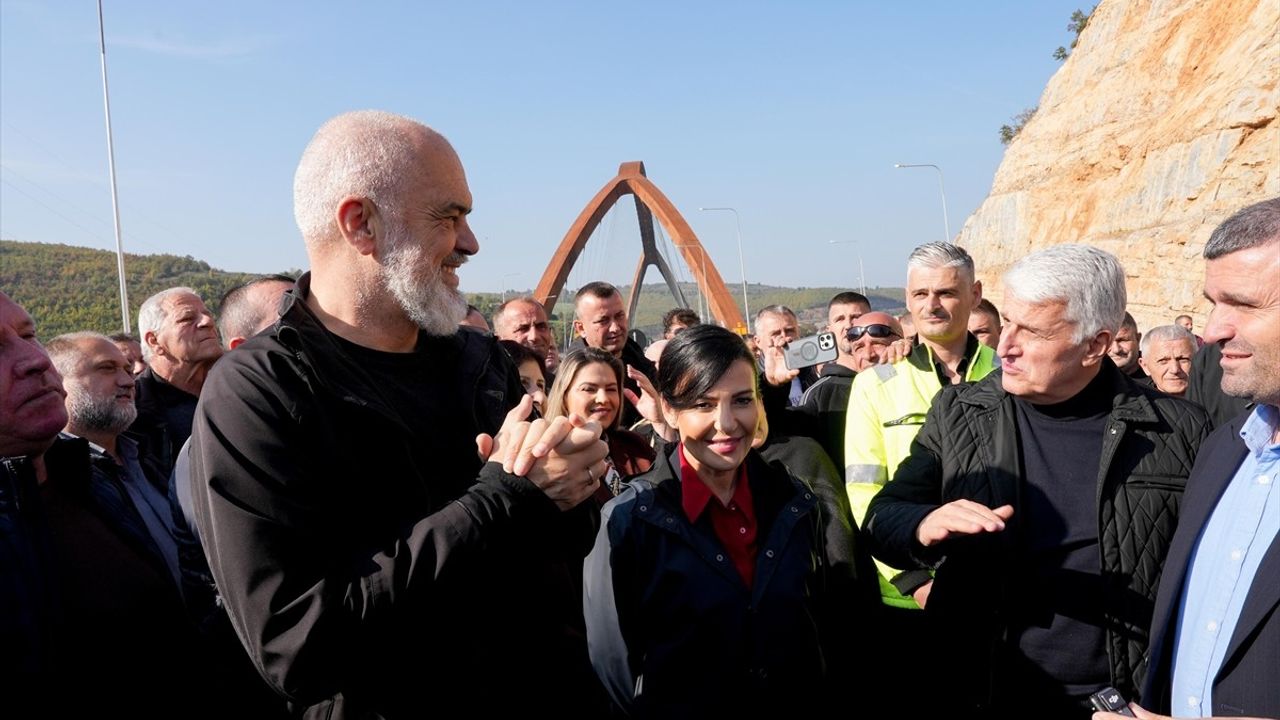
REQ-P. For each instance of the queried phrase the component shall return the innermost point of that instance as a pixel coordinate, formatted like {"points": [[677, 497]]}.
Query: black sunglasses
{"points": [[875, 330]]}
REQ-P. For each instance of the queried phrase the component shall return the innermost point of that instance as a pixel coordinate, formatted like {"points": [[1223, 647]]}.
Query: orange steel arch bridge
{"points": [[650, 203]]}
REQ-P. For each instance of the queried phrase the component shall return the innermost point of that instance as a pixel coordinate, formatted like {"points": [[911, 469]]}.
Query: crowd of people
{"points": [[352, 495]]}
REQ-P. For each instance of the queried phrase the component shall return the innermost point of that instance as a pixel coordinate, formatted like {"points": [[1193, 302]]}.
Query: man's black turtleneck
{"points": [[1058, 624]]}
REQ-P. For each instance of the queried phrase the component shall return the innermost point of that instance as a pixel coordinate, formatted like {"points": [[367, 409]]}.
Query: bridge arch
{"points": [[650, 203]]}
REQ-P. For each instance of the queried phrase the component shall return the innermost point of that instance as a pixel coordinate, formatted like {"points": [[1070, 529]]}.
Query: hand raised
{"points": [[961, 517], [646, 403], [776, 371]]}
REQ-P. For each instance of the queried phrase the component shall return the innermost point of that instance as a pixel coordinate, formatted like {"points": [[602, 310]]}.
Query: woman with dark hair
{"points": [[725, 581], [589, 385], [533, 375]]}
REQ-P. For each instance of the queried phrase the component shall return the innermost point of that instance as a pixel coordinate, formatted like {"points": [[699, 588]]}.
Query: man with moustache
{"points": [[887, 406], [369, 560], [99, 409]]}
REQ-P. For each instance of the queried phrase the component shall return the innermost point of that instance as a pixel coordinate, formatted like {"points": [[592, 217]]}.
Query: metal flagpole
{"points": [[111, 165]]}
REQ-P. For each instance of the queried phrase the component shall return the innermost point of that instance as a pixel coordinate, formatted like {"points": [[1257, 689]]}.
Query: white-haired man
{"points": [[1166, 357], [1044, 497], [368, 559], [1215, 636], [180, 345]]}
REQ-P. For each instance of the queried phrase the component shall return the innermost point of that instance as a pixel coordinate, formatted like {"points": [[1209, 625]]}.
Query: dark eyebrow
{"points": [[1232, 298]]}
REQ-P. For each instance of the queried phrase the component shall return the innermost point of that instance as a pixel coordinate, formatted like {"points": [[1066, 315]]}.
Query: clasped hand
{"points": [[564, 457]]}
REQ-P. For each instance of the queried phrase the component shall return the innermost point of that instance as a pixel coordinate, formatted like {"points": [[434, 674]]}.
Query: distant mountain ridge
{"points": [[68, 288]]}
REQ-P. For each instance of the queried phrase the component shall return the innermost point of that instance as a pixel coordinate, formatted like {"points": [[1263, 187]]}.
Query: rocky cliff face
{"points": [[1160, 125]]}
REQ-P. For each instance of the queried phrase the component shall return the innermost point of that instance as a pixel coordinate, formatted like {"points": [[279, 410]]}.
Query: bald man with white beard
{"points": [[368, 556]]}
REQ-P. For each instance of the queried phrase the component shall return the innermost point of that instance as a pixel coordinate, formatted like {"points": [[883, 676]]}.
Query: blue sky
{"points": [[791, 112]]}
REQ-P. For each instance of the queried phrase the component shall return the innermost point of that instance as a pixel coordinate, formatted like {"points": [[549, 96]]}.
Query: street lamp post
{"points": [[742, 266], [701, 311], [862, 277], [946, 224], [111, 168], [504, 283]]}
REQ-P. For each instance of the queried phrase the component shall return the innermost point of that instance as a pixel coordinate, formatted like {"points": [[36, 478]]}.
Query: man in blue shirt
{"points": [[1215, 648]]}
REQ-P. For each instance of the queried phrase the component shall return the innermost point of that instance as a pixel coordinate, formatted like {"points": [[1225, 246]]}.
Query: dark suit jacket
{"points": [[1249, 681]]}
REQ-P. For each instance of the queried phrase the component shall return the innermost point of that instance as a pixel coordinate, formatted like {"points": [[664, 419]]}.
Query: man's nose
{"points": [[466, 243]]}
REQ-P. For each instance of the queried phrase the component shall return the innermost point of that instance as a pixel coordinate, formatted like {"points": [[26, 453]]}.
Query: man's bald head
{"points": [[876, 331], [364, 154]]}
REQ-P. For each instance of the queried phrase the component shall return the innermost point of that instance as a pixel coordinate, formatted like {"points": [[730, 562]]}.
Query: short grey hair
{"points": [[1088, 280], [367, 153], [64, 350], [153, 314], [1249, 227], [1165, 333], [942, 255], [776, 310], [239, 316]]}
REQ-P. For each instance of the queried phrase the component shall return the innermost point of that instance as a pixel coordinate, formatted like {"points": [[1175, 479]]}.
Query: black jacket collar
{"points": [[1130, 402]]}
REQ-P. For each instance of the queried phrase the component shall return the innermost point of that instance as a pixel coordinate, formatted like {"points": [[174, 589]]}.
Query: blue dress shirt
{"points": [[1226, 558]]}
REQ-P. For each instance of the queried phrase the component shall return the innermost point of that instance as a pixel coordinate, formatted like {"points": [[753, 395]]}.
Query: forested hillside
{"points": [[69, 288]]}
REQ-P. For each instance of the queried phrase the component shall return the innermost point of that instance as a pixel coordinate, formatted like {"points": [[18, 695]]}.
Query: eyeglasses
{"points": [[875, 330]]}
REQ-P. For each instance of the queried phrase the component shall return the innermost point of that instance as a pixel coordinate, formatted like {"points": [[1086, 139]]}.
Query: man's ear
{"points": [[977, 293], [1097, 347], [358, 222], [578, 329], [150, 340]]}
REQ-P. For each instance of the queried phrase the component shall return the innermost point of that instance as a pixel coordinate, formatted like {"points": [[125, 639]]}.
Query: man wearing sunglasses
{"points": [[862, 344]]}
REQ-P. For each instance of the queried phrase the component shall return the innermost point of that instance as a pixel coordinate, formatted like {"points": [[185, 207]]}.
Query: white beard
{"points": [[422, 294]]}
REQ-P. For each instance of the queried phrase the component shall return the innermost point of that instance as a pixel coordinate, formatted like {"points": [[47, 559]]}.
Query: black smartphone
{"points": [[1109, 699], [808, 351]]}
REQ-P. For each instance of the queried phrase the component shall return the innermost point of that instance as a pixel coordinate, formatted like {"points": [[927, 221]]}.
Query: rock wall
{"points": [[1160, 125]]}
